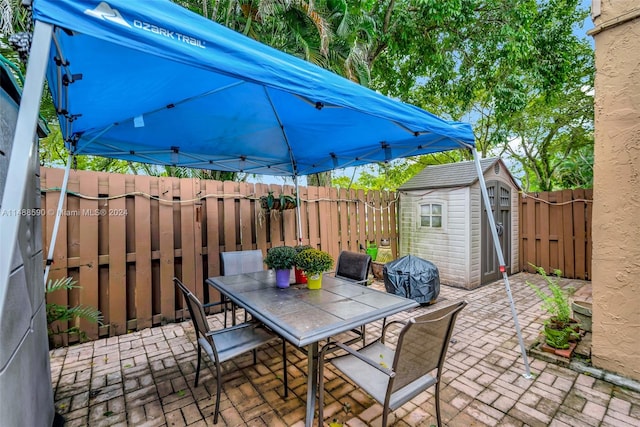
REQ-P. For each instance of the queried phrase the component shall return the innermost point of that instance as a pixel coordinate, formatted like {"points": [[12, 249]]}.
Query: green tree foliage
{"points": [[507, 67]]}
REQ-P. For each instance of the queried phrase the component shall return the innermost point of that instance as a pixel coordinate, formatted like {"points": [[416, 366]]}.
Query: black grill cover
{"points": [[412, 277]]}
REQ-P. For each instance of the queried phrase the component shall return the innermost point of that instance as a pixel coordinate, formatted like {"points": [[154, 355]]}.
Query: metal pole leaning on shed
{"points": [[16, 183], [498, 248], [56, 223]]}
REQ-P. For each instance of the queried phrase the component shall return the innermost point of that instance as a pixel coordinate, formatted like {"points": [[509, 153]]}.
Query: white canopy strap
{"points": [[497, 246], [56, 223]]}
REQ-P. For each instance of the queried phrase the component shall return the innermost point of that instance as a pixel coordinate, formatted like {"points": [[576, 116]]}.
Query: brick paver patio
{"points": [[146, 379]]}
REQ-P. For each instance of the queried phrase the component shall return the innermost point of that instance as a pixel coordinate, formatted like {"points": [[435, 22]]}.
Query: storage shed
{"points": [[442, 219]]}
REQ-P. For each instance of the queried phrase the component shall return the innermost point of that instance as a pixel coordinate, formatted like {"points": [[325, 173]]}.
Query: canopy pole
{"points": [[498, 248], [56, 223], [23, 148], [299, 220]]}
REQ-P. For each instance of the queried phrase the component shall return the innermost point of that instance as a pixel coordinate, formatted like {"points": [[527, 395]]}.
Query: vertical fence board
{"points": [[229, 216], [73, 243], [344, 239], [580, 233], [567, 224], [588, 195], [303, 239], [393, 225], [117, 257], [275, 221], [334, 223], [143, 293], [352, 210], [167, 260], [262, 226], [324, 219], [246, 225], [543, 232], [289, 221], [187, 233], [362, 219], [313, 209], [198, 188], [212, 188], [377, 212], [89, 251], [531, 235]]}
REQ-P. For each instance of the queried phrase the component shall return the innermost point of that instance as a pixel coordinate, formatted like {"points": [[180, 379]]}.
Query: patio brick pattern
{"points": [[146, 378]]}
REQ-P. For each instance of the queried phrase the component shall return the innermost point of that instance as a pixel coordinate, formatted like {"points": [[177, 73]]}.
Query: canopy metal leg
{"points": [[299, 220], [17, 174], [56, 223], [497, 246]]}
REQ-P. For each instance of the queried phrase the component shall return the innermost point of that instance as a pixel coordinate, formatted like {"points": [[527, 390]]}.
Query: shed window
{"points": [[431, 215]]}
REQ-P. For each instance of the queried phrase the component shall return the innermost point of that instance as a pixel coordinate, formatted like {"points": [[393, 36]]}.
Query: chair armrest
{"points": [[356, 354], [394, 322]]}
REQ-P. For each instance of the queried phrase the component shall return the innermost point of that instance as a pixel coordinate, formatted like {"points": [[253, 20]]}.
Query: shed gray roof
{"points": [[461, 174]]}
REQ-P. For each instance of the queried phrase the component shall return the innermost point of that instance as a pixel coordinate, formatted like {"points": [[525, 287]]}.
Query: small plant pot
{"points": [[557, 338], [301, 278], [314, 281], [582, 312], [282, 278]]}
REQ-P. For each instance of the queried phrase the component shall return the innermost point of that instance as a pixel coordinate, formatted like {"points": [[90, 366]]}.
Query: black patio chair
{"points": [[394, 376], [354, 267], [225, 344]]}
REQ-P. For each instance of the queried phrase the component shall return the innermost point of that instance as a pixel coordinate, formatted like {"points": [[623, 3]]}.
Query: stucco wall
{"points": [[616, 209]]}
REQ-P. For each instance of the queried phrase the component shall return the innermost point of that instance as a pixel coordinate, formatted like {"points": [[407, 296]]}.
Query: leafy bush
{"points": [[280, 257], [64, 313], [560, 327], [556, 304], [313, 261]]}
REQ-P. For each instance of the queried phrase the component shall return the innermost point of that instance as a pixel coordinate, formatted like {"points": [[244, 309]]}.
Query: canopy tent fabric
{"points": [[156, 83]]}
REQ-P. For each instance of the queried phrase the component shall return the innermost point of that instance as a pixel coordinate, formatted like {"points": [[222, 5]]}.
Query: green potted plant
{"points": [[314, 262], [280, 203], [282, 260], [300, 276], [560, 328], [57, 313]]}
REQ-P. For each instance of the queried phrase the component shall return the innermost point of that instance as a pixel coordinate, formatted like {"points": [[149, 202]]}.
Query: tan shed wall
{"points": [[616, 210]]}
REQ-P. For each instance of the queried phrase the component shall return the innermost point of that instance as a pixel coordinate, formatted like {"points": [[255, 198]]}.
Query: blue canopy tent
{"points": [[155, 83]]}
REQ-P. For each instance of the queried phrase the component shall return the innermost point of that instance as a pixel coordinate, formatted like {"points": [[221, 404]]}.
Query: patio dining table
{"points": [[304, 317]]}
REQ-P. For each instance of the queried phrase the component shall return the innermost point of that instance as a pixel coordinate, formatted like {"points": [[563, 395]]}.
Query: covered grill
{"points": [[412, 277]]}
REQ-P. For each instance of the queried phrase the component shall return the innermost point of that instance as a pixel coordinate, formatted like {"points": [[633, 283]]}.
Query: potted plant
{"points": [[314, 262], [560, 328], [280, 203], [281, 259], [300, 276]]}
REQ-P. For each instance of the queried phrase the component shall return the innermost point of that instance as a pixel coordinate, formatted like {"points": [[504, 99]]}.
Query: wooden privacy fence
{"points": [[124, 237], [555, 232]]}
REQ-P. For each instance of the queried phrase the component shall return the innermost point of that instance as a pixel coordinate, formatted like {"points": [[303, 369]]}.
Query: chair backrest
{"points": [[353, 266], [423, 343], [239, 262], [195, 309]]}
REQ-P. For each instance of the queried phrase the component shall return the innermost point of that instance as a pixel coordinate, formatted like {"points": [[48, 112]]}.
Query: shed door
{"points": [[500, 200]]}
